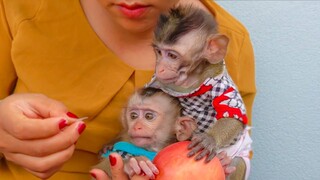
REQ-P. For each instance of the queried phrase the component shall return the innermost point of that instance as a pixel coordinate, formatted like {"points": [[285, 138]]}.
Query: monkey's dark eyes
{"points": [[158, 52], [172, 56], [149, 116], [133, 115]]}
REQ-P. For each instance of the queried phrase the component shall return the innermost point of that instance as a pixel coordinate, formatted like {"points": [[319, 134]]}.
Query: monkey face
{"points": [[169, 68], [177, 61], [150, 120]]}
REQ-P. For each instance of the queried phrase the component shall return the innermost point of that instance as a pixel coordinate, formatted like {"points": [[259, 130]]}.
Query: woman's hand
{"points": [[37, 133]]}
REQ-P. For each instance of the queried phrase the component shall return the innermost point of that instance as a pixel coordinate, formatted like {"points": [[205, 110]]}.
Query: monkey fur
{"points": [[190, 52], [161, 121]]}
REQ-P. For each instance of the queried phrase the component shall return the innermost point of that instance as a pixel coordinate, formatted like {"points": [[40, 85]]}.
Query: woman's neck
{"points": [[132, 46], [108, 30]]}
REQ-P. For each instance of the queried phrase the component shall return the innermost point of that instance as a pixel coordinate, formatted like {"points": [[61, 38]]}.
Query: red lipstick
{"points": [[133, 11]]}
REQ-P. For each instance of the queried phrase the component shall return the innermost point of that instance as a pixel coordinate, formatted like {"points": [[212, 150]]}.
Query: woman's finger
{"points": [[25, 113], [46, 174], [41, 164], [44, 147]]}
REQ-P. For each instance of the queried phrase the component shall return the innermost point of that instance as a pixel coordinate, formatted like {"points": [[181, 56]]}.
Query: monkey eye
{"points": [[149, 116], [133, 115], [158, 51], [172, 56]]}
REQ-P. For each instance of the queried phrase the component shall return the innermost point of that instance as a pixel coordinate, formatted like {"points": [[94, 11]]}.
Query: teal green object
{"points": [[130, 149]]}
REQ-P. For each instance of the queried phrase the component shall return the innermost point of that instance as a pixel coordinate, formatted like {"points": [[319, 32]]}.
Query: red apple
{"points": [[173, 163]]}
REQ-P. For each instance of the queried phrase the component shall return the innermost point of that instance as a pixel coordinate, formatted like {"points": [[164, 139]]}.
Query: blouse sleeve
{"points": [[246, 75], [7, 72]]}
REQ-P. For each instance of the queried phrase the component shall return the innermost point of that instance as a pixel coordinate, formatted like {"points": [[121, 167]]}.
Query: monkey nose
{"points": [[137, 126], [161, 71]]}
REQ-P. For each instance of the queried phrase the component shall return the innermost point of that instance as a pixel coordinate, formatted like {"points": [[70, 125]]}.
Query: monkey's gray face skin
{"points": [[169, 69], [176, 62]]}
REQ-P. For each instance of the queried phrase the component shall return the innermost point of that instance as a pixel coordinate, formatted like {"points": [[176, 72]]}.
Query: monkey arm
{"points": [[226, 131]]}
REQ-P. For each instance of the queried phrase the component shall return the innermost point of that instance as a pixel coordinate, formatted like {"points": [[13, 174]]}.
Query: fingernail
{"points": [[62, 123], [190, 154], [70, 114], [81, 127], [113, 160], [93, 175]]}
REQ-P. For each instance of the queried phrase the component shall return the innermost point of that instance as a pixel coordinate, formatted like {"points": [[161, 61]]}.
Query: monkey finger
{"points": [[203, 153], [194, 142], [153, 167], [230, 169], [146, 169], [226, 161], [211, 156], [135, 165], [195, 150], [221, 155], [130, 172]]}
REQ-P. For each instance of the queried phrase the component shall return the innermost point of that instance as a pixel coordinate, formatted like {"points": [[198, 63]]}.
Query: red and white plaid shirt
{"points": [[216, 98]]}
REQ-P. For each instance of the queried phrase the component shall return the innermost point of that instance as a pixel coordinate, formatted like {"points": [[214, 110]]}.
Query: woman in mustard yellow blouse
{"points": [[60, 60]]}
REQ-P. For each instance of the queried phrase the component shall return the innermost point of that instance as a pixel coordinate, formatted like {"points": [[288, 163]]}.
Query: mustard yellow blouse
{"points": [[49, 47]]}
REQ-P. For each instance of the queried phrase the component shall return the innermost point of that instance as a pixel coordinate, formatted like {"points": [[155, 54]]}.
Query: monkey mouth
{"points": [[168, 80], [141, 140], [133, 11]]}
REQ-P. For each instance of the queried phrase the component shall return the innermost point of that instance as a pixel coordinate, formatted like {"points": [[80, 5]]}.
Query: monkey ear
{"points": [[217, 48], [185, 127], [123, 118]]}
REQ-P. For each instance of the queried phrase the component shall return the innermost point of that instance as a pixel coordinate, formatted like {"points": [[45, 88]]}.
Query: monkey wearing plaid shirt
{"points": [[190, 65]]}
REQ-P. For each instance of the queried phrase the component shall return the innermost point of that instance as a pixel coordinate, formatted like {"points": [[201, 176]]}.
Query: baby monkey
{"points": [[151, 121], [190, 65]]}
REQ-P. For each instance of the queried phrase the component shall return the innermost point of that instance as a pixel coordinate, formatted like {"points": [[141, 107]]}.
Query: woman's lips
{"points": [[132, 11]]}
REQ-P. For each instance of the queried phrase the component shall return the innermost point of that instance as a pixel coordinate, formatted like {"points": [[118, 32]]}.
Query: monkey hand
{"points": [[204, 144], [105, 148], [140, 165]]}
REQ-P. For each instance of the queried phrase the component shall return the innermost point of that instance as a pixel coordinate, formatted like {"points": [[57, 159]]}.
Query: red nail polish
{"points": [[62, 123], [93, 175], [70, 114], [113, 160], [81, 127]]}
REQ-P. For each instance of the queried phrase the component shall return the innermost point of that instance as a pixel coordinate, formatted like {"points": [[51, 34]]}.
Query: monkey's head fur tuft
{"points": [[148, 92], [182, 20]]}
